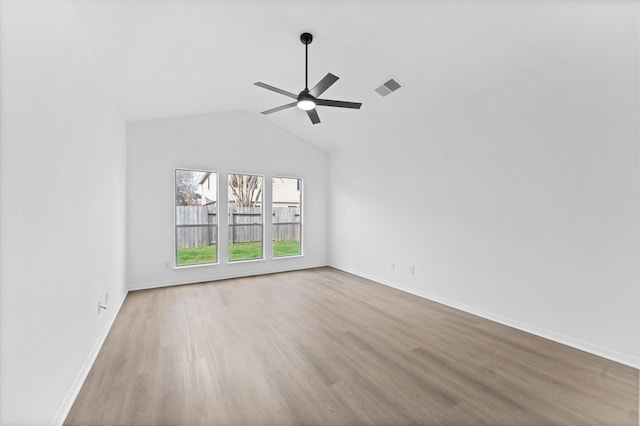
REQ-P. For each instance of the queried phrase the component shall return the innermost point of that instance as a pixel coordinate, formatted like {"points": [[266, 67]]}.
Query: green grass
{"points": [[237, 251], [241, 251], [194, 255], [286, 248]]}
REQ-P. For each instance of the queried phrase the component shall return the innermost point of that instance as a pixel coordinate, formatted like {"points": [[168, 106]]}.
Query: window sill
{"points": [[197, 265], [233, 262], [293, 256]]}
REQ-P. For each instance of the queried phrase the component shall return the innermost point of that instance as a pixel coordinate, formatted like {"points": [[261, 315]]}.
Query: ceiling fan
{"points": [[307, 100]]}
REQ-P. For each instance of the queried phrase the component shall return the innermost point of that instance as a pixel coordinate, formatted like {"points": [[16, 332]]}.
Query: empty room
{"points": [[288, 212]]}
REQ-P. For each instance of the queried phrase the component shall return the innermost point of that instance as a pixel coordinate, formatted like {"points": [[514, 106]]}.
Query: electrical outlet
{"points": [[393, 265], [412, 270], [106, 297]]}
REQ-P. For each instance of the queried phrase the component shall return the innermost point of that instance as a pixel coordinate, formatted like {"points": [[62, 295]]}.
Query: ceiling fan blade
{"points": [[313, 115], [275, 89], [323, 85], [280, 108], [341, 104]]}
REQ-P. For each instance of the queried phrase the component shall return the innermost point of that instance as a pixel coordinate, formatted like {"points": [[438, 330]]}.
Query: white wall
{"points": [[226, 143], [520, 204], [62, 201]]}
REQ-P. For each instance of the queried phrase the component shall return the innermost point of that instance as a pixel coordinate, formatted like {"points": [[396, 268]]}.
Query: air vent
{"points": [[387, 87]]}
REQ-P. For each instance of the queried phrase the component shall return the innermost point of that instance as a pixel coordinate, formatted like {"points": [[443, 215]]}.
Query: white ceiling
{"points": [[170, 58]]}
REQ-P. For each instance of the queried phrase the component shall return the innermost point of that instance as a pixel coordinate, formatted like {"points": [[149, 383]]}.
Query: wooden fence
{"points": [[245, 224], [196, 226], [286, 223]]}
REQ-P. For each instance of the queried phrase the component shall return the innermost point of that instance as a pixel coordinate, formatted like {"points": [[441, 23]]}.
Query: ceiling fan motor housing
{"points": [[306, 101]]}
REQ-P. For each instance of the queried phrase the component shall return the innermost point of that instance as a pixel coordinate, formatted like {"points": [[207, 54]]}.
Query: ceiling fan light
{"points": [[306, 104]]}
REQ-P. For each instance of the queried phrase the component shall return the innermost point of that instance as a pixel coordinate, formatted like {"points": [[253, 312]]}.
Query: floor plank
{"points": [[323, 347]]}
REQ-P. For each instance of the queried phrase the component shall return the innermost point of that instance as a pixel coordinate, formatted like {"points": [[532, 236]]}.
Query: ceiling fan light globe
{"points": [[306, 104]]}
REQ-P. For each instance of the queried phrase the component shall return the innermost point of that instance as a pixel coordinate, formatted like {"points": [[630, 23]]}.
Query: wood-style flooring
{"points": [[323, 347]]}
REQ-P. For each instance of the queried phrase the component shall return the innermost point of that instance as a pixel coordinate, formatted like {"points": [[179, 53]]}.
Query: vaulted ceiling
{"points": [[171, 58]]}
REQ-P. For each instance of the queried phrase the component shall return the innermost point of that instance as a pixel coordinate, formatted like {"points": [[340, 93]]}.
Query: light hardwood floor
{"points": [[323, 347]]}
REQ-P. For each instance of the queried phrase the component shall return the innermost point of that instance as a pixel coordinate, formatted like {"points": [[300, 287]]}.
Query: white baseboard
{"points": [[547, 334], [73, 392], [169, 283]]}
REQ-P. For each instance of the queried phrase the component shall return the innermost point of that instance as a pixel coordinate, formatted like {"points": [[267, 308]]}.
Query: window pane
{"points": [[286, 213], [245, 217], [196, 217]]}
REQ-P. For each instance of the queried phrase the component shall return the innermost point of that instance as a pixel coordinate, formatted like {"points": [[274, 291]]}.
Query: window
{"points": [[286, 211], [245, 217], [196, 217]]}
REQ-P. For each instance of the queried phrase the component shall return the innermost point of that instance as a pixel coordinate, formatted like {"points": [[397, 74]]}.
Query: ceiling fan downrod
{"points": [[306, 39]]}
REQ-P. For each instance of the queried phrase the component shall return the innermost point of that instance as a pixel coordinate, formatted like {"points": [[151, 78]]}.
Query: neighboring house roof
{"points": [[204, 177]]}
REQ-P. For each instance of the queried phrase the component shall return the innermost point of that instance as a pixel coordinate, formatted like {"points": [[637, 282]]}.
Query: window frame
{"points": [[215, 226], [300, 181], [261, 224]]}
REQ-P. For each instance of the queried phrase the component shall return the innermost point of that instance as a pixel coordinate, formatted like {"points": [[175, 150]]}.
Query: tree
{"points": [[245, 190], [186, 187]]}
